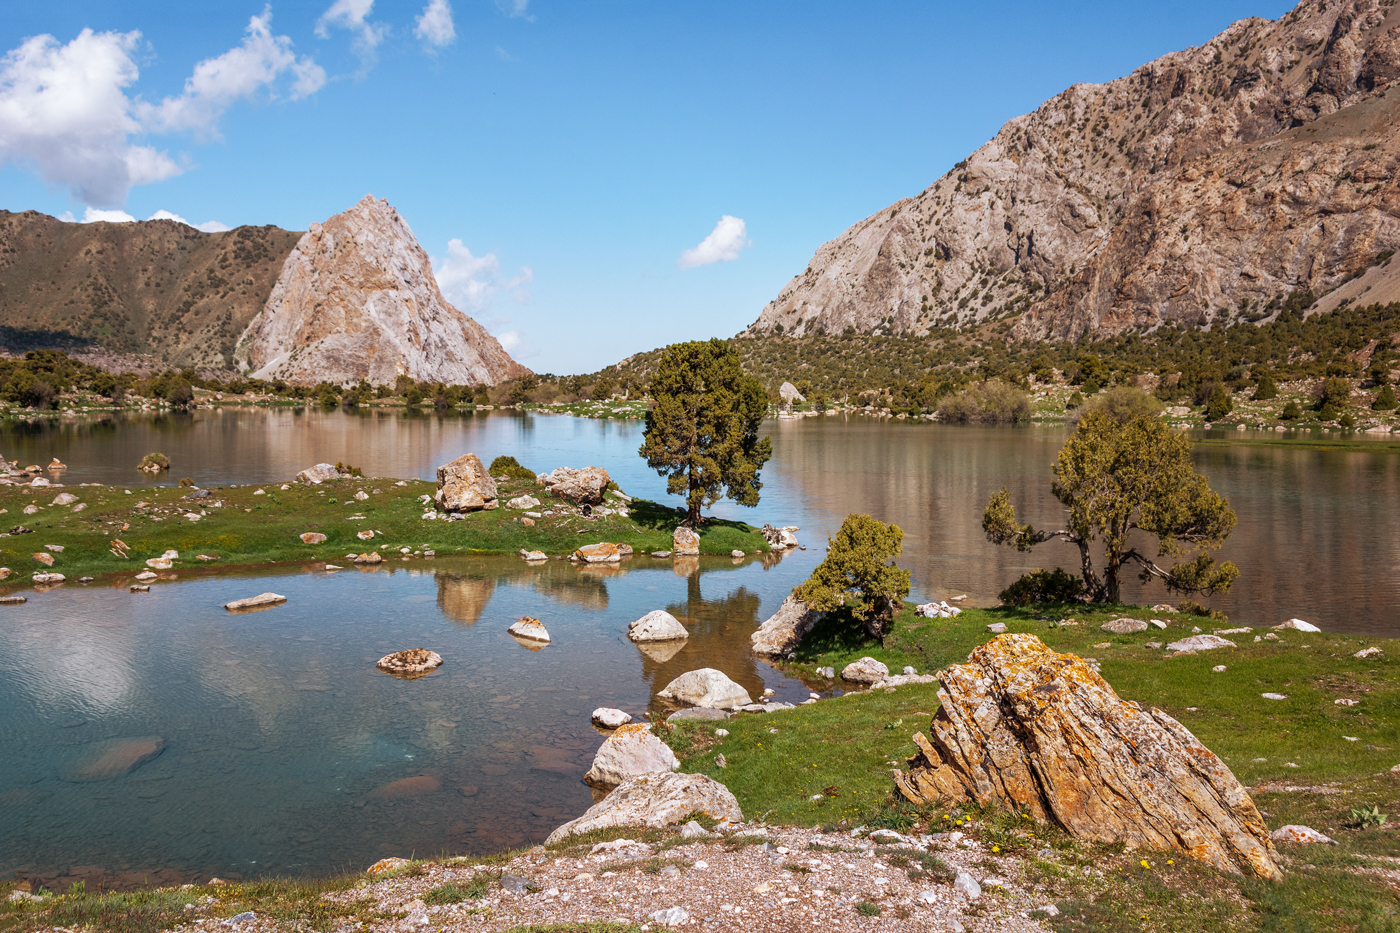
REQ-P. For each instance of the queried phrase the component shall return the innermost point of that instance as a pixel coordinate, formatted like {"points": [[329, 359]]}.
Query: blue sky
{"points": [[593, 179]]}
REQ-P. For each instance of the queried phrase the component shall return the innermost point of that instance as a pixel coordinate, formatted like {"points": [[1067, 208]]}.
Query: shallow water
{"points": [[283, 742]]}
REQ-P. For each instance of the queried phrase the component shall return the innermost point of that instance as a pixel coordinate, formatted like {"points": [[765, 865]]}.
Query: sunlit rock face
{"points": [[357, 300]]}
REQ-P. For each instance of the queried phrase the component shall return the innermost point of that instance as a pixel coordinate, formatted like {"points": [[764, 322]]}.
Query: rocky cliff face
{"points": [[1197, 190], [357, 300], [154, 287]]}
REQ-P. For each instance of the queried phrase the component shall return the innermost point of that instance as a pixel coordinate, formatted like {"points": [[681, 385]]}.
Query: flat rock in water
{"points": [[610, 718], [13, 600], [865, 671], [48, 578], [706, 687], [630, 751], [312, 537], [657, 625], [261, 601], [535, 556], [685, 542], [1200, 643], [1300, 834], [1298, 625], [655, 800], [145, 575], [369, 557], [530, 630], [697, 713], [1125, 626], [660, 555], [780, 635], [113, 758], [1022, 726], [410, 662]]}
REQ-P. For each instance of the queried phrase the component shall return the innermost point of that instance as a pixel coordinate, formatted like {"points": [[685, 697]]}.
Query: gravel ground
{"points": [[758, 886]]}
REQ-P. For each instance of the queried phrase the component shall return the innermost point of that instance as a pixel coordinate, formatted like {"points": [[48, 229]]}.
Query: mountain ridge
{"points": [[1203, 187]]}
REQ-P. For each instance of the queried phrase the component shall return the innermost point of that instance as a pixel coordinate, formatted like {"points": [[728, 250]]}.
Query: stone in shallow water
{"points": [[657, 625], [530, 630], [414, 661], [610, 718], [113, 758], [706, 687], [407, 787], [696, 713], [261, 601]]}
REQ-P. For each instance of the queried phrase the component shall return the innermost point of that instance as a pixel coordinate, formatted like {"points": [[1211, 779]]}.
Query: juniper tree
{"points": [[702, 433], [859, 573], [1117, 479]]}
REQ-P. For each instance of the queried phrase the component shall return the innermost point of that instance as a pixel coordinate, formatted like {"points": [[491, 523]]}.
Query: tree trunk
{"points": [[1110, 579], [692, 502]]}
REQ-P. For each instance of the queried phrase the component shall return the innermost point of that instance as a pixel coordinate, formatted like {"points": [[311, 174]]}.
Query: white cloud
{"points": [[435, 25], [509, 340], [209, 226], [722, 245], [91, 216], [515, 8], [470, 282], [354, 16], [217, 83], [65, 113]]}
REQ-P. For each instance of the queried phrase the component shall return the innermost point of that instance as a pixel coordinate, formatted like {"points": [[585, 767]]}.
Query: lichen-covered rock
{"points": [[523, 502], [706, 687], [630, 751], [581, 487], [530, 630], [1022, 726], [312, 537], [783, 631], [1124, 626], [685, 542], [1201, 642], [657, 625], [654, 800], [602, 553], [609, 718], [369, 557], [464, 485], [410, 662], [865, 671], [357, 299]]}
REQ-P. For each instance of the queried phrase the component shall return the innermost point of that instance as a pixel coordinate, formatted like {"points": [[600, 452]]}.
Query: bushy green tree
{"points": [[1291, 412], [1219, 404], [859, 573], [702, 433], [1116, 479], [1385, 399], [1335, 398], [1264, 387]]}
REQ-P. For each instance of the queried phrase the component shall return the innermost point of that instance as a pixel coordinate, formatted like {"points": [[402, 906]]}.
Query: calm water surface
{"points": [[283, 743]]}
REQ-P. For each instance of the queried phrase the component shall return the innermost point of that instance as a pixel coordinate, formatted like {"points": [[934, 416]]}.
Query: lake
{"points": [[285, 749]]}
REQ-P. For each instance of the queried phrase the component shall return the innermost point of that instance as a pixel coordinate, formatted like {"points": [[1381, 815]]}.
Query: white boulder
{"points": [[706, 687], [657, 625], [865, 671], [630, 751], [654, 800]]}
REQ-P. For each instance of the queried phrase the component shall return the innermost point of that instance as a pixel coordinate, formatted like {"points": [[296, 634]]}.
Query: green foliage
{"points": [[990, 402], [1125, 403], [1264, 388], [454, 892], [1385, 399], [1192, 608], [348, 470], [1361, 817], [1219, 404], [1291, 412], [859, 573], [1334, 399], [1075, 401], [155, 459], [868, 909], [702, 433], [505, 465], [1115, 479], [1043, 586]]}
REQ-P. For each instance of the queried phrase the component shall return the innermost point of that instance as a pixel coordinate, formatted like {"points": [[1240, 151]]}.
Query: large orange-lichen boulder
{"points": [[1022, 725]]}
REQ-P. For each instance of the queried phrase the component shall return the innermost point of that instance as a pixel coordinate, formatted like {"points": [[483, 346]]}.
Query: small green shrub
{"points": [[454, 892], [1291, 412], [1219, 404], [156, 460], [347, 469], [1192, 608], [1265, 389], [990, 402], [509, 466], [1043, 586], [867, 909], [1361, 817], [1385, 400], [1075, 401]]}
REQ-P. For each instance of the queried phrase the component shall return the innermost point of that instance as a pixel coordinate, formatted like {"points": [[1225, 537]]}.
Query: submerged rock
{"points": [[706, 687], [1022, 726], [113, 758], [655, 800], [630, 751], [783, 631], [407, 787]]}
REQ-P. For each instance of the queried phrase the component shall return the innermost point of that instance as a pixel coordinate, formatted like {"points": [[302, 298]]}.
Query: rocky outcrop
{"points": [[630, 751], [1041, 732], [581, 487], [465, 486], [783, 631], [657, 625], [1196, 190], [357, 300], [706, 687], [655, 800]]}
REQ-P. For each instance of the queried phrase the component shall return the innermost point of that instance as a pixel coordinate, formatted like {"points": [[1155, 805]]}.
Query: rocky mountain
{"points": [[157, 287], [357, 299], [1203, 188]]}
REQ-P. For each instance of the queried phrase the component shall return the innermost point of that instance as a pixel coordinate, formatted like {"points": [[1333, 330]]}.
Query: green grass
{"points": [[257, 529]]}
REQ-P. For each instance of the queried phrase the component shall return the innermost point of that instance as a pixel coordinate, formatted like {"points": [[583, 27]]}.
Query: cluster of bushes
{"points": [[990, 402]]}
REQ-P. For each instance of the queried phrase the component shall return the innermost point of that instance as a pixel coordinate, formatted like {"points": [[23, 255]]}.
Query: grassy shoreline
{"points": [[258, 525]]}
